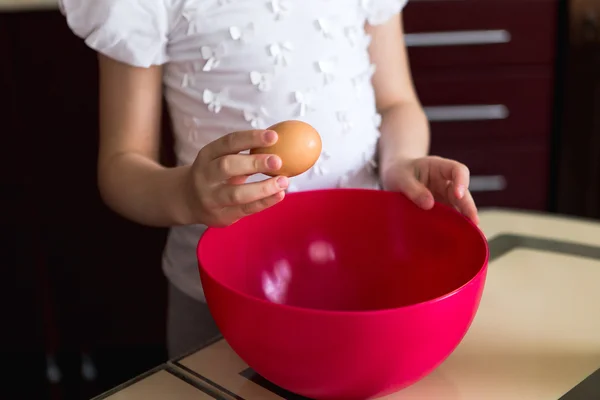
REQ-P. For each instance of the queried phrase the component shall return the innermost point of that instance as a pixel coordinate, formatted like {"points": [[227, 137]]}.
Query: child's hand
{"points": [[426, 179], [218, 194]]}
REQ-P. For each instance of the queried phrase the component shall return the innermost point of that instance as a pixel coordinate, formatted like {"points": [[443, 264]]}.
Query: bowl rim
{"points": [[482, 269]]}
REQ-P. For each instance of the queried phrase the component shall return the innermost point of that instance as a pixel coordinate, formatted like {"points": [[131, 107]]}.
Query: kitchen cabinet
{"points": [[485, 73], [480, 106]]}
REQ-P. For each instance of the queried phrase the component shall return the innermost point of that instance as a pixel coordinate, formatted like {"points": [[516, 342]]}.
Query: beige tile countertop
{"points": [[27, 5], [536, 335], [159, 384]]}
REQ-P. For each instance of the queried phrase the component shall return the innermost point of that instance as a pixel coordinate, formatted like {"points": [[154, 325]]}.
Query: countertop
{"points": [[27, 5], [536, 335]]}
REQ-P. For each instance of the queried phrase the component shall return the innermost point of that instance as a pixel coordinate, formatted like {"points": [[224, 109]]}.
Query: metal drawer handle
{"points": [[88, 368], [457, 38], [466, 113], [487, 183], [53, 372]]}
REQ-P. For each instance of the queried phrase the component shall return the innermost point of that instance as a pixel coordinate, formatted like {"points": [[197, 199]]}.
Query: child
{"points": [[240, 66]]}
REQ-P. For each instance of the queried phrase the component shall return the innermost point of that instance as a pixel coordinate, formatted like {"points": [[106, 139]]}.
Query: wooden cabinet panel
{"points": [[479, 105], [480, 32]]}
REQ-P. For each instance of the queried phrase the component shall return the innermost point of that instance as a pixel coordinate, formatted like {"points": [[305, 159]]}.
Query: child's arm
{"points": [[404, 128], [130, 179], [134, 184], [404, 144]]}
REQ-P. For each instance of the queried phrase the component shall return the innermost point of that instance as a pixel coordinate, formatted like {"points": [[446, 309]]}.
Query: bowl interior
{"points": [[345, 250]]}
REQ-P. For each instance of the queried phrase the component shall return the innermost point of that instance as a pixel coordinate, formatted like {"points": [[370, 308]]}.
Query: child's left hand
{"points": [[426, 179]]}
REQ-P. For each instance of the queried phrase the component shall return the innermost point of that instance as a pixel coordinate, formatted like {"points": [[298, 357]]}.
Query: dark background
{"points": [[76, 318]]}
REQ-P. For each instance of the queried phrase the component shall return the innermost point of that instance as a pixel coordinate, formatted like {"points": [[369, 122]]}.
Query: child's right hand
{"points": [[216, 188]]}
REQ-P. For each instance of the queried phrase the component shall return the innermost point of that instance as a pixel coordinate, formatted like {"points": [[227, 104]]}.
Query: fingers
{"points": [[449, 180], [236, 142], [417, 192], [465, 205], [459, 193], [237, 212], [457, 173], [219, 174], [238, 195], [228, 202], [235, 165]]}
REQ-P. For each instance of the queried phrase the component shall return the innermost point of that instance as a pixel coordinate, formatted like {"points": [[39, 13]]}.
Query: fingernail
{"points": [[460, 191], [273, 162], [282, 182], [270, 136]]}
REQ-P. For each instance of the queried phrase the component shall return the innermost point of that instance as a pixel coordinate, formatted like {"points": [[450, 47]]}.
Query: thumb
{"points": [[416, 192]]}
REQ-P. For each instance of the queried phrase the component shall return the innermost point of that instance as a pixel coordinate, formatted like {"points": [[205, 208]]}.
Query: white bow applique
{"points": [[242, 34], [280, 52], [319, 167], [352, 34], [357, 36], [327, 69], [359, 81], [261, 80], [304, 101], [280, 8], [344, 120], [324, 27], [213, 56], [192, 124], [256, 117], [189, 74], [213, 100], [188, 80], [191, 17]]}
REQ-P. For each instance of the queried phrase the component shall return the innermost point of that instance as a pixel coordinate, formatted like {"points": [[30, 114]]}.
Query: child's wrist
{"points": [[181, 200]]}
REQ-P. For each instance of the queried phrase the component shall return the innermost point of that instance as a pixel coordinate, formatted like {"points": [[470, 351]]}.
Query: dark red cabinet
{"points": [[485, 71], [481, 32], [488, 104]]}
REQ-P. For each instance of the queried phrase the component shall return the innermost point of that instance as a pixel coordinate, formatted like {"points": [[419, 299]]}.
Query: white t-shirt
{"points": [[242, 64]]}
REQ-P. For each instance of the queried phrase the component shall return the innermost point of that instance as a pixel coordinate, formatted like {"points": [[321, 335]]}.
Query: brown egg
{"points": [[299, 147]]}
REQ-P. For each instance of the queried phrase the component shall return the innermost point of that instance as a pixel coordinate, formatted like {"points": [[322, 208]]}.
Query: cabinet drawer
{"points": [[479, 105], [477, 32], [514, 176]]}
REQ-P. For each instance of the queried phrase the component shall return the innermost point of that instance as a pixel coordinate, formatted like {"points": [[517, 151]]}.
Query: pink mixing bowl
{"points": [[344, 294]]}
